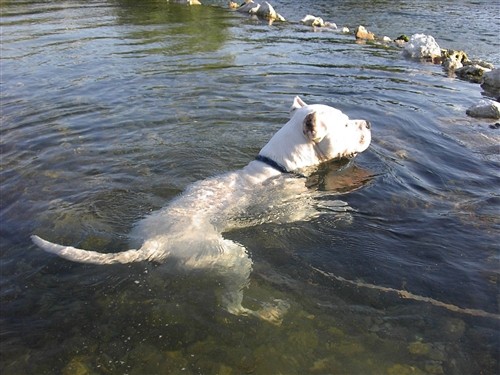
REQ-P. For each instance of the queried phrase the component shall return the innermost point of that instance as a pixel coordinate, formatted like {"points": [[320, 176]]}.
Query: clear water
{"points": [[109, 109]]}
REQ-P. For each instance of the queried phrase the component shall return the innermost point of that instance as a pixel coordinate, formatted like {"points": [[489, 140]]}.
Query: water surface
{"points": [[111, 108]]}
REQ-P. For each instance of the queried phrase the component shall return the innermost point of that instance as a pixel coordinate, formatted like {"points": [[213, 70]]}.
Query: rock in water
{"points": [[311, 20], [491, 82], [485, 109], [261, 9], [472, 73], [362, 33], [453, 60], [422, 47]]}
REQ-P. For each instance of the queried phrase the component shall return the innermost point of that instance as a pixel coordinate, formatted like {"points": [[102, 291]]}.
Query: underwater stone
{"points": [[419, 348], [187, 2], [485, 109], [399, 369], [306, 340], [434, 367], [77, 366], [455, 328]]}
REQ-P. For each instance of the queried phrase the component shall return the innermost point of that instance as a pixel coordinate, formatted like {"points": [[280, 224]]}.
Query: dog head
{"points": [[315, 134], [332, 131]]}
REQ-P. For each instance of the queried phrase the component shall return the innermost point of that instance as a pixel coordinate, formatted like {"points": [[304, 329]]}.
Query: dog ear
{"points": [[309, 125], [297, 103]]}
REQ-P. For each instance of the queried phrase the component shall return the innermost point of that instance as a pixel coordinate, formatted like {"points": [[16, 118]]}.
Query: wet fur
{"points": [[190, 229]]}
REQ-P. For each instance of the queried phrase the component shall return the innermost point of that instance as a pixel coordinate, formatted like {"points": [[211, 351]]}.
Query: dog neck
{"points": [[271, 163]]}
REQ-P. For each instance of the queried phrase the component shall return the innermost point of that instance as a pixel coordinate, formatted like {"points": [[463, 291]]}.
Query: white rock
{"points": [[422, 46], [263, 10], [311, 20], [485, 109]]}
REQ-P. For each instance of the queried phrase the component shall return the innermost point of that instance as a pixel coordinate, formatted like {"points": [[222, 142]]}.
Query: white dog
{"points": [[189, 230]]}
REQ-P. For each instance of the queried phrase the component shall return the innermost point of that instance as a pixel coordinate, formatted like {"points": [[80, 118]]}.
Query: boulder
{"points": [[314, 21], [422, 47], [311, 20], [491, 82], [459, 56], [260, 9], [485, 109], [453, 60], [362, 33], [472, 73]]}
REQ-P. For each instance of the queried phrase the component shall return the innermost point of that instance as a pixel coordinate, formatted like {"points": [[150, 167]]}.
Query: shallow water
{"points": [[111, 108]]}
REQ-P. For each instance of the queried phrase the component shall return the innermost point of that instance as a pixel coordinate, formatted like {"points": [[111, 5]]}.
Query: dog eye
{"points": [[346, 125]]}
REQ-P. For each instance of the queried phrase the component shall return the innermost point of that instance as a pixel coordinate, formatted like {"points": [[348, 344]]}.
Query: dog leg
{"points": [[236, 272]]}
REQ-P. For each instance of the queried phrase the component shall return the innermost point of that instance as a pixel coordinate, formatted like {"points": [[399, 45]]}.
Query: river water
{"points": [[110, 109]]}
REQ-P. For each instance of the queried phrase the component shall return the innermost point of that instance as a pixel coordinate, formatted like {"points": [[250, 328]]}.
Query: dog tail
{"points": [[86, 256]]}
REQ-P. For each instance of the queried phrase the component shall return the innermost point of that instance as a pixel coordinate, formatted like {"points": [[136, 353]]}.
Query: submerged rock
{"points": [[419, 348], [491, 82], [422, 47], [400, 369], [187, 2], [362, 33], [485, 109], [77, 366]]}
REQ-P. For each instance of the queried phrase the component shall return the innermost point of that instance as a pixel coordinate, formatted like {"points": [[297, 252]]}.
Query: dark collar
{"points": [[277, 166], [271, 163]]}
